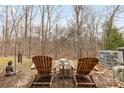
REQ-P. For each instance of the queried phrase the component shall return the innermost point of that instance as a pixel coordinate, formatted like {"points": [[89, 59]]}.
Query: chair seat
{"points": [[84, 79], [42, 80]]}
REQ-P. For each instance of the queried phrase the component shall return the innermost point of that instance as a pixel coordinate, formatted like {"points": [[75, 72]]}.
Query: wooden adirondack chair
{"points": [[44, 67], [84, 67]]}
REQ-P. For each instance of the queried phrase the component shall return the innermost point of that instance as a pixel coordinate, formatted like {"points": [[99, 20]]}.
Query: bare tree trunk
{"points": [[26, 28], [3, 43], [42, 10], [6, 34], [77, 9], [56, 43], [30, 38]]}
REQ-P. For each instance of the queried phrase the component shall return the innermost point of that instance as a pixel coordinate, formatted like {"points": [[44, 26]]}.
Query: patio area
{"points": [[24, 77]]}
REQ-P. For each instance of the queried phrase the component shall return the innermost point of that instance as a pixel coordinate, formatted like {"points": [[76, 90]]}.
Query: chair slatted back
{"points": [[43, 64], [86, 64]]}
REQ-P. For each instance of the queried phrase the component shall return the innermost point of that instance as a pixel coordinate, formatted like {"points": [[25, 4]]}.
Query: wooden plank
{"points": [[75, 81], [86, 83], [51, 81], [40, 83], [91, 78]]}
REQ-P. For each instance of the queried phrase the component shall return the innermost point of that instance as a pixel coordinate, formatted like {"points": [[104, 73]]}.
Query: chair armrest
{"points": [[73, 66], [54, 69], [54, 66]]}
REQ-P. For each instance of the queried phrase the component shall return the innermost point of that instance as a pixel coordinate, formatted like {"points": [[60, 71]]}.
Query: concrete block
{"points": [[118, 73]]}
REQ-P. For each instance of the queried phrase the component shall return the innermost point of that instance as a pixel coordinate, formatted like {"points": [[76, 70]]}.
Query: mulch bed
{"points": [[19, 80]]}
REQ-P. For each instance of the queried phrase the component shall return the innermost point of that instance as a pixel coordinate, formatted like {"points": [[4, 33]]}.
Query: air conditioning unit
{"points": [[121, 54]]}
